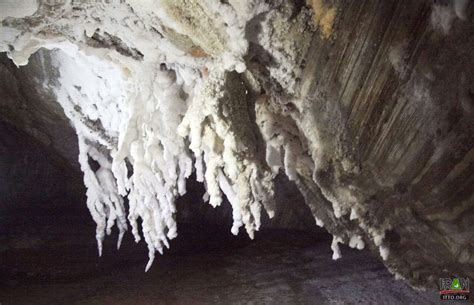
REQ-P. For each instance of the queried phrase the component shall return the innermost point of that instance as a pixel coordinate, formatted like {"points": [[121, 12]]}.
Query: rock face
{"points": [[366, 107], [30, 105]]}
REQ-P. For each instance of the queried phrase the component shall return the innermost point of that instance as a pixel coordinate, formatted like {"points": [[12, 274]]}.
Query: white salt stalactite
{"points": [[279, 137], [227, 170], [159, 159], [146, 138], [105, 205], [336, 251]]}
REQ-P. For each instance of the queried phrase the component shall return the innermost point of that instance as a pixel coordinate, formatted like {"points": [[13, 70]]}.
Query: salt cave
{"points": [[235, 151]]}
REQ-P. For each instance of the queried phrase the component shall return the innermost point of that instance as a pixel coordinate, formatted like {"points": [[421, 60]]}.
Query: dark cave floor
{"points": [[205, 265]]}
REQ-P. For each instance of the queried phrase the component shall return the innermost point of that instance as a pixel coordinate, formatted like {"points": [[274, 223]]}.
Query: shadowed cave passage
{"points": [[48, 252]]}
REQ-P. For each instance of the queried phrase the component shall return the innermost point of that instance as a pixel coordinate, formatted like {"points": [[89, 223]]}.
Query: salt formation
{"points": [[157, 90], [227, 146], [443, 14], [17, 9], [128, 104]]}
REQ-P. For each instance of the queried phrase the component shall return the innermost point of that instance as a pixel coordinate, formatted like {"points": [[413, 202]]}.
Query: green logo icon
{"points": [[455, 285]]}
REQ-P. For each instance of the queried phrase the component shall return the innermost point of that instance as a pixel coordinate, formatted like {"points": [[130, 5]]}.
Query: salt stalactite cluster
{"points": [[282, 140], [155, 91], [127, 110], [93, 89], [218, 127]]}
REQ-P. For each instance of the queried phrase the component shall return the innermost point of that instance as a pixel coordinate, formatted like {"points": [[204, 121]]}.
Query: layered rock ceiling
{"points": [[367, 106]]}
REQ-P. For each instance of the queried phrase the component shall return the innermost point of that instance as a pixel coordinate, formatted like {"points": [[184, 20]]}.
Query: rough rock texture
{"points": [[32, 174], [29, 104], [390, 101], [367, 106]]}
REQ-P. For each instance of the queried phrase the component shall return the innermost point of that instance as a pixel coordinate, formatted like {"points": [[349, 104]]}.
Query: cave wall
{"points": [[29, 104], [391, 101], [32, 174]]}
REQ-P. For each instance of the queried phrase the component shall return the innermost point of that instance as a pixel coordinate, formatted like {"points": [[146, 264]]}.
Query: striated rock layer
{"points": [[367, 106]]}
